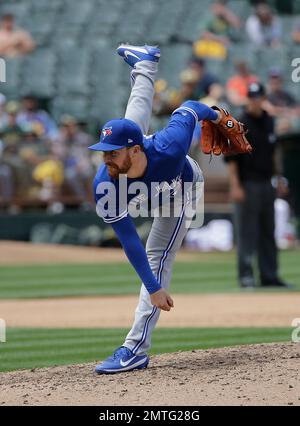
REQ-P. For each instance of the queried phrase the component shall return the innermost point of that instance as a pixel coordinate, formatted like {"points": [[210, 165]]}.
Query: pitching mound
{"points": [[257, 374]]}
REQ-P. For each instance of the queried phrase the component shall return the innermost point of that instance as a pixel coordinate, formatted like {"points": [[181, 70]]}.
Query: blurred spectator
{"points": [[3, 114], [32, 115], [167, 99], [281, 104], [215, 96], [220, 30], [277, 95], [49, 174], [195, 82], [11, 166], [31, 152], [253, 194], [296, 32], [204, 77], [14, 41], [224, 22], [264, 28], [237, 85], [70, 147], [10, 131]]}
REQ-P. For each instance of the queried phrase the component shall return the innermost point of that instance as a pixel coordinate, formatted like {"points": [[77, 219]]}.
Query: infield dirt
{"points": [[247, 375], [191, 310]]}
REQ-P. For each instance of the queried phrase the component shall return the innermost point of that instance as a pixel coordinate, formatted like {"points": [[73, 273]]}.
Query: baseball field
{"points": [[66, 308]]}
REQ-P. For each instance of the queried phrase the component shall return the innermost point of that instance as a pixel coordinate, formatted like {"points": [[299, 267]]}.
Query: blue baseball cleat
{"points": [[122, 360], [134, 54]]}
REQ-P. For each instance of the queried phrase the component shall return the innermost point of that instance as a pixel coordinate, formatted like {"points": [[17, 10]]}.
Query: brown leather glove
{"points": [[227, 137]]}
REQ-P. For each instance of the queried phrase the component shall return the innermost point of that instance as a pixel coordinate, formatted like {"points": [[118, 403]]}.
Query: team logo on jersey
{"points": [[230, 124], [106, 132]]}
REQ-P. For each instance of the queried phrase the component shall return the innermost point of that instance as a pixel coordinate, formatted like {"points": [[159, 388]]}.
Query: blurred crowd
{"points": [[222, 31], [42, 160]]}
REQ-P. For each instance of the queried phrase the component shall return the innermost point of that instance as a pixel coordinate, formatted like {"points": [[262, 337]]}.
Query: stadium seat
{"points": [[40, 25], [72, 74], [38, 73], [76, 12], [174, 59], [241, 8], [39, 6], [75, 105], [20, 10], [13, 78]]}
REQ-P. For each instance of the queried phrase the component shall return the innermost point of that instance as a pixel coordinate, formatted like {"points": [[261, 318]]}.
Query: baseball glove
{"points": [[227, 137]]}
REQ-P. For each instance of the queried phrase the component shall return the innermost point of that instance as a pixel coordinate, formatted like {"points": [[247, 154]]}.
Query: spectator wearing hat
{"points": [[14, 41], [253, 195]]}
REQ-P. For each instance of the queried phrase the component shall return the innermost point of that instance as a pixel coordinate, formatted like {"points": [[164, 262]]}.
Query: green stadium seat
{"points": [[13, 78], [72, 74], [41, 25], [268, 58], [75, 105], [242, 8], [39, 6], [287, 23], [174, 59], [76, 12], [19, 10], [38, 73]]}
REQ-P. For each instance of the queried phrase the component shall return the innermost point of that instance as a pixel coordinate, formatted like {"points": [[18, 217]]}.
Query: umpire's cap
{"points": [[118, 134], [256, 90]]}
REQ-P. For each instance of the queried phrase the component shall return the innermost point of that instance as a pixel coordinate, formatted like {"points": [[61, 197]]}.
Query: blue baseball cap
{"points": [[118, 134]]}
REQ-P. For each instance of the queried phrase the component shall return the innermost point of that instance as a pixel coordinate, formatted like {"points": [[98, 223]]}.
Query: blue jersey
{"points": [[167, 167]]}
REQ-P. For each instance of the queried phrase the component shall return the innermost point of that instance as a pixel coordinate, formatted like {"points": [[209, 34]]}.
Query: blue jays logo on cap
{"points": [[123, 133], [106, 132]]}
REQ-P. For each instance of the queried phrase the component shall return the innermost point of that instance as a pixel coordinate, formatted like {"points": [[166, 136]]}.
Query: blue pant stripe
{"points": [[160, 269]]}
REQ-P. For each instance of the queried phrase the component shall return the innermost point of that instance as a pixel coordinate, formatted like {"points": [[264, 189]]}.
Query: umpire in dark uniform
{"points": [[253, 194]]}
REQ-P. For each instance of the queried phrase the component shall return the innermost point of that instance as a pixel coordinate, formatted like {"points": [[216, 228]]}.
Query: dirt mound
{"points": [[257, 374]]}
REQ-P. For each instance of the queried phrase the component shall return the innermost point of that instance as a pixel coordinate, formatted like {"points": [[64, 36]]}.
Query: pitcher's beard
{"points": [[114, 171]]}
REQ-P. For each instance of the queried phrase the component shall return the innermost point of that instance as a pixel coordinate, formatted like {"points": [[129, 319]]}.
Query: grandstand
{"points": [[74, 71], [73, 37]]}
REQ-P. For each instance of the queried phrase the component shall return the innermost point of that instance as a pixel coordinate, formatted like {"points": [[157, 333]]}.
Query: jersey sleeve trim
{"points": [[190, 110], [116, 219]]}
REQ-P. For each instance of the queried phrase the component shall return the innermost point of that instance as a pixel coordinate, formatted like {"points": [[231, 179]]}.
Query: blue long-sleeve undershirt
{"points": [[136, 252]]}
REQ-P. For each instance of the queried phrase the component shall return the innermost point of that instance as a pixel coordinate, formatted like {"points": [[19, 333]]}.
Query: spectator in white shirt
{"points": [[264, 28]]}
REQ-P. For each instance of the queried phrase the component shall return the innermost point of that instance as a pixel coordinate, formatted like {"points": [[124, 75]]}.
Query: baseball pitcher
{"points": [[156, 162]]}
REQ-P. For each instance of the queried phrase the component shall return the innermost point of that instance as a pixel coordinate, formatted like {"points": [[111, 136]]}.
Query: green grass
{"points": [[30, 348], [214, 273]]}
